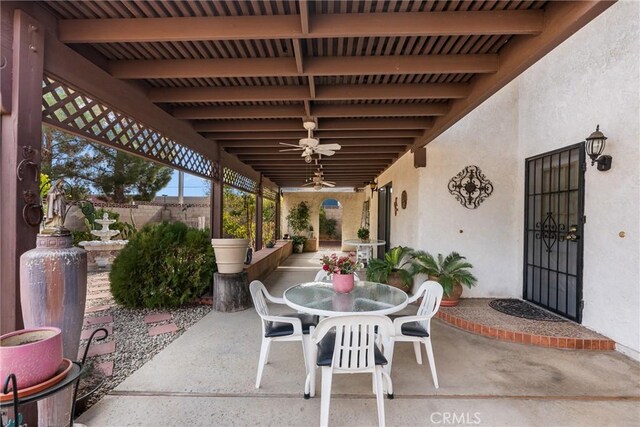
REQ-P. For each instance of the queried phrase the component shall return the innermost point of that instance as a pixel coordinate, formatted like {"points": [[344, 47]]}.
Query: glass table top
{"points": [[365, 298]]}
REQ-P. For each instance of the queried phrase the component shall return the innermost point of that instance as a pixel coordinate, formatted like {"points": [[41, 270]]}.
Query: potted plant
{"points": [[342, 270], [298, 243], [363, 234], [298, 218], [451, 272], [394, 269]]}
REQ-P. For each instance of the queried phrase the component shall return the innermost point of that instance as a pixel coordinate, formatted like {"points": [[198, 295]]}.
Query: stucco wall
{"points": [[591, 78], [351, 210]]}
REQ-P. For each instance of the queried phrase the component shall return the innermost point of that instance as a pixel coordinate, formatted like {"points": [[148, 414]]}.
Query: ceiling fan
{"points": [[311, 145], [318, 181]]}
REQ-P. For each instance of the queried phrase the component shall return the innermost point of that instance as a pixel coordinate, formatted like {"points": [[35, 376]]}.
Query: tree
{"points": [[239, 214], [118, 176]]}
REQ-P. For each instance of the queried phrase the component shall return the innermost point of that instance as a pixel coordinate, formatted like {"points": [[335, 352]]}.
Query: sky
{"points": [[193, 186]]}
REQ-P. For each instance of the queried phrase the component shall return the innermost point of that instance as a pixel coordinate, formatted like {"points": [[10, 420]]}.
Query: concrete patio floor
{"points": [[206, 378]]}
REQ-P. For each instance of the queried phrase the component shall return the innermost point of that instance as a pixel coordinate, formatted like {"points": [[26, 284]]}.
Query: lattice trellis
{"points": [[68, 109], [239, 181], [268, 193]]}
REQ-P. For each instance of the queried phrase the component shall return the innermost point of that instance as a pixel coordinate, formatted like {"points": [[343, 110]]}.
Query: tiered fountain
{"points": [[101, 252]]}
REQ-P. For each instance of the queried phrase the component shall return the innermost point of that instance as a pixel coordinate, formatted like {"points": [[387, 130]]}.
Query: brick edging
{"points": [[529, 339]]}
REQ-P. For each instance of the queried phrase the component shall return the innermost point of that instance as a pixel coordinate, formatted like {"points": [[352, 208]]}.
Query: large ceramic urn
{"points": [[230, 254], [53, 292]]}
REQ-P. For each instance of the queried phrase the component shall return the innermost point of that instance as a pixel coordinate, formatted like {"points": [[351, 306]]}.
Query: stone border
{"points": [[528, 339]]}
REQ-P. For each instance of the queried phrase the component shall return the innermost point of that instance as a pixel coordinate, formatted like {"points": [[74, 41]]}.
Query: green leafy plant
{"points": [[363, 233], [327, 225], [298, 218], [397, 260], [298, 240], [163, 265], [447, 270]]}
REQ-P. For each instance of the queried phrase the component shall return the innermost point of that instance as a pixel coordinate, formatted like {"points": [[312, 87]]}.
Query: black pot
{"points": [[83, 401]]}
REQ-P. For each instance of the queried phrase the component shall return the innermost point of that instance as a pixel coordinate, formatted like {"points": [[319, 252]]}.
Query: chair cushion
{"points": [[414, 329], [280, 329], [327, 344]]}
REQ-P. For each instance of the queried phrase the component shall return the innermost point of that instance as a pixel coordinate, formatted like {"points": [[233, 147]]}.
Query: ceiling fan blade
{"points": [[326, 152], [330, 182], [289, 145], [291, 149], [308, 183], [326, 184], [331, 147]]}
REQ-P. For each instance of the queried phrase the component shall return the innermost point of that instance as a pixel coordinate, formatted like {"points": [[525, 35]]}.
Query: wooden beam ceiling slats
{"points": [[347, 142], [322, 134], [313, 66], [295, 124], [302, 93], [323, 110], [528, 22]]}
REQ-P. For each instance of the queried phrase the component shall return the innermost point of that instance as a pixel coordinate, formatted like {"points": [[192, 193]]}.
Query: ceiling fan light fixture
{"points": [[307, 159]]}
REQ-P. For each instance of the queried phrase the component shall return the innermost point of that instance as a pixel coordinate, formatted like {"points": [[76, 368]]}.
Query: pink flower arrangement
{"points": [[340, 265]]}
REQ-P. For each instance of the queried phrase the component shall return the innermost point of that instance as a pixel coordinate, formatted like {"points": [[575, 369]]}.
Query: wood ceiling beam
{"points": [[229, 94], [314, 66], [347, 142], [296, 157], [561, 20], [379, 110], [296, 135], [239, 112], [128, 30], [304, 93], [393, 91], [323, 110], [326, 124], [258, 165], [275, 151]]}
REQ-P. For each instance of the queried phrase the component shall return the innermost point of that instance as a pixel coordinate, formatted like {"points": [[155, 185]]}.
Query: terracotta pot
{"points": [[453, 299], [395, 280], [33, 355], [230, 254], [342, 283]]}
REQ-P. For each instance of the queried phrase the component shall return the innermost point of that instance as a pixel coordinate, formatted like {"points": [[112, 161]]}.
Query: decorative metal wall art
{"points": [[403, 200], [470, 187]]}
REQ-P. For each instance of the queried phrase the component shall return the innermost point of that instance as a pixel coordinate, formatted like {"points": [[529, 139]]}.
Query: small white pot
{"points": [[230, 254]]}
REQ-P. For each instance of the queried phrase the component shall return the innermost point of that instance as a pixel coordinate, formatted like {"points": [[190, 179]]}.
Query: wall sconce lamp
{"points": [[594, 148], [373, 185]]}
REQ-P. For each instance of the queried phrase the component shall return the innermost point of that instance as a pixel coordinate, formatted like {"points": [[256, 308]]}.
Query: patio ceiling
{"points": [[378, 77]]}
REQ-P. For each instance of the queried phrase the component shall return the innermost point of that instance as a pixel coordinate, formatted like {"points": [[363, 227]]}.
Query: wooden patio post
{"points": [[259, 205], [216, 201], [21, 127], [278, 215]]}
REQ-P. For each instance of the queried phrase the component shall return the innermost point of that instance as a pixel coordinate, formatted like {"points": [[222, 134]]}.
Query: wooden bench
{"points": [[266, 260]]}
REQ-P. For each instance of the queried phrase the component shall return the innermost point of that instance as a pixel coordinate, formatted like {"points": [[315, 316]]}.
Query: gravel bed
{"points": [[134, 346]]}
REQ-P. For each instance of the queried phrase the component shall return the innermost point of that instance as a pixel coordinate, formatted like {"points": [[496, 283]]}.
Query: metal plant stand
{"points": [[72, 378]]}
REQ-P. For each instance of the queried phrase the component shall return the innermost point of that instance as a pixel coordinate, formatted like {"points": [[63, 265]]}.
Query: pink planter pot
{"points": [[342, 283], [33, 355]]}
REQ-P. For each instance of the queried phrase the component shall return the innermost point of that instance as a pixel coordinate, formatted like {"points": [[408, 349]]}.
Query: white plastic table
{"points": [[320, 299], [364, 250]]}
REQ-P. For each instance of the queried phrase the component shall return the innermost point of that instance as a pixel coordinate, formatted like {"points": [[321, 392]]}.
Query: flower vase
{"points": [[342, 283]]}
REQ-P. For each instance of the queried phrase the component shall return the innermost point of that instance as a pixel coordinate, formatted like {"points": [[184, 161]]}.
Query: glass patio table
{"points": [[320, 299]]}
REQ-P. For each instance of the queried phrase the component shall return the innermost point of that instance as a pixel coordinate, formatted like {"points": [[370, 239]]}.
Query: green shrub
{"points": [[163, 265]]}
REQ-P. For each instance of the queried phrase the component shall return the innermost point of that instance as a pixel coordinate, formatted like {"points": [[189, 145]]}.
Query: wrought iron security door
{"points": [[384, 218], [554, 220]]}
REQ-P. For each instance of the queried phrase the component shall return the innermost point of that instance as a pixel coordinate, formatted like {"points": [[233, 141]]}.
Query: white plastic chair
{"points": [[347, 345], [325, 276], [285, 327], [417, 329]]}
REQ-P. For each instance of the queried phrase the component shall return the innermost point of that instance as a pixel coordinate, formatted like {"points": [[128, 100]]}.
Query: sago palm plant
{"points": [[397, 260], [447, 270]]}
